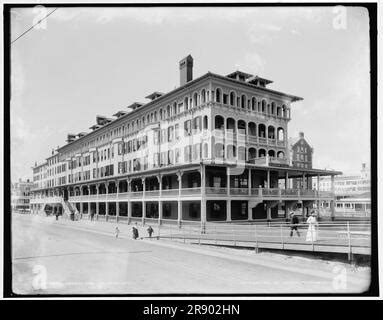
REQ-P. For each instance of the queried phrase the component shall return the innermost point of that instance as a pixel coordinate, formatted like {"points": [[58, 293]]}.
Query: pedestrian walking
{"points": [[294, 221], [57, 215], [135, 233], [150, 231], [116, 232], [312, 234]]}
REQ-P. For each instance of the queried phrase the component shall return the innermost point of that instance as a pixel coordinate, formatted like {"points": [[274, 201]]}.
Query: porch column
{"points": [[159, 178], [143, 201], [203, 195], [228, 180], [304, 186], [332, 203], [268, 210], [97, 201], [129, 210], [159, 212], [228, 210], [179, 202], [106, 201], [287, 180], [81, 204], [249, 181], [268, 180], [129, 204]]}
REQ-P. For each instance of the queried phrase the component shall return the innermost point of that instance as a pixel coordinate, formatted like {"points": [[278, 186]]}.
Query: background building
{"points": [[301, 156], [214, 149], [21, 195], [352, 192]]}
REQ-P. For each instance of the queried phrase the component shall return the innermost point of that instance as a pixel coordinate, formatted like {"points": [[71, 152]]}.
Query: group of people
{"points": [[312, 231], [134, 231]]}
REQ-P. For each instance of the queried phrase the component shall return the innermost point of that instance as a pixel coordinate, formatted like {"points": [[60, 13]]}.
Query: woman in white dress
{"points": [[312, 233]]}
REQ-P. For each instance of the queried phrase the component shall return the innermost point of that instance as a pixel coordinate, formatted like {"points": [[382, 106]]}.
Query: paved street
{"points": [[84, 258]]}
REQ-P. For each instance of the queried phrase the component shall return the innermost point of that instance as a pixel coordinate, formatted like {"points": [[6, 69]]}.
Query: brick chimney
{"points": [[301, 135], [186, 70]]}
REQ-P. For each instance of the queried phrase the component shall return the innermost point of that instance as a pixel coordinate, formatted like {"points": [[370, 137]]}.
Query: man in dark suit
{"points": [[294, 221]]}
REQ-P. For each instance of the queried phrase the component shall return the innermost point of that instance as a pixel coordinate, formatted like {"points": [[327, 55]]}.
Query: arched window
{"points": [[273, 108], [263, 110], [271, 153], [219, 150], [243, 101], [230, 125], [231, 152], [262, 130], [218, 95], [271, 132], [155, 116], [232, 98], [219, 123], [261, 153], [252, 154], [186, 103], [281, 134], [168, 111], [252, 129], [253, 104], [195, 99], [205, 123], [241, 127], [281, 154], [175, 108], [161, 115], [203, 95]]}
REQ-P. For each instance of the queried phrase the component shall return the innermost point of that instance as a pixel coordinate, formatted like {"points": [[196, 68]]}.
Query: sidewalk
{"points": [[301, 265], [104, 227]]}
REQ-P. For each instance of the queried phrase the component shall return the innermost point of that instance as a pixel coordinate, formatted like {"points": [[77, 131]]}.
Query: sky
{"points": [[83, 62]]}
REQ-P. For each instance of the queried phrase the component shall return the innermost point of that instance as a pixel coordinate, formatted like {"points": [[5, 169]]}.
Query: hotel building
{"points": [[213, 149], [21, 196]]}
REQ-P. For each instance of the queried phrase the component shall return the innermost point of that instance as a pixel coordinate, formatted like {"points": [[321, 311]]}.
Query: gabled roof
{"points": [[234, 74], [254, 79], [293, 141], [135, 105], [95, 126], [120, 113], [154, 95], [101, 120]]}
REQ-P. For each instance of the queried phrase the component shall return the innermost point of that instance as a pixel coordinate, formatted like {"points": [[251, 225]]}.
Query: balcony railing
{"points": [[262, 140], [216, 190], [152, 193], [190, 191], [271, 192], [252, 139], [170, 192], [239, 191], [210, 191]]}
